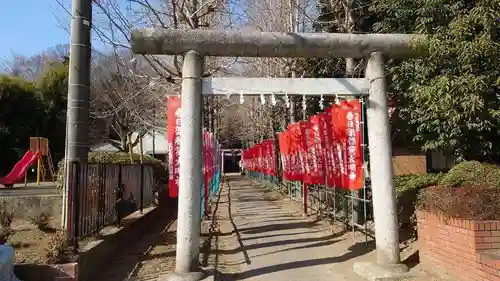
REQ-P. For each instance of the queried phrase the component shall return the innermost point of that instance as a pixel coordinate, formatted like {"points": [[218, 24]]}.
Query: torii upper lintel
{"points": [[234, 43]]}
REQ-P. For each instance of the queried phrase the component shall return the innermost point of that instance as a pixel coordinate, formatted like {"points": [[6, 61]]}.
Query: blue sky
{"points": [[29, 26]]}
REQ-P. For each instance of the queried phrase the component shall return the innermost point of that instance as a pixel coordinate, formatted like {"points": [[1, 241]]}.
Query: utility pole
{"points": [[350, 67], [78, 95], [350, 63], [292, 29], [154, 130]]}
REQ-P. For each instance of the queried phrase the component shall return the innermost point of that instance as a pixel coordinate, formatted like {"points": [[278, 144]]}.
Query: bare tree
{"points": [[253, 121], [345, 16], [30, 68], [124, 102], [139, 84], [135, 89]]}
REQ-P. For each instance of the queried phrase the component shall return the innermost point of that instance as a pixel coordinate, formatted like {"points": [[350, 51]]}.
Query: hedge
{"points": [[160, 171], [406, 183], [470, 190], [473, 173], [407, 190]]}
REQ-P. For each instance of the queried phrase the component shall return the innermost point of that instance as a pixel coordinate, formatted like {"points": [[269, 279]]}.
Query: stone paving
{"points": [[263, 236]]}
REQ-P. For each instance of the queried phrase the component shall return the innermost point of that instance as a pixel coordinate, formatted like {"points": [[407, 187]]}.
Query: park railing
{"points": [[209, 191], [101, 195]]}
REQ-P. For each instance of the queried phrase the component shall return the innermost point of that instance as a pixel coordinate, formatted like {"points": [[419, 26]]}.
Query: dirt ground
{"points": [[29, 242], [152, 255]]}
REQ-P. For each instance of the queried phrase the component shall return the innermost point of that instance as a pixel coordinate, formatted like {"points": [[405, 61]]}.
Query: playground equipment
{"points": [[39, 152], [45, 167]]}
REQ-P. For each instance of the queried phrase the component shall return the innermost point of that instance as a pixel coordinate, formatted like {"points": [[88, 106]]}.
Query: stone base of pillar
{"points": [[191, 276], [376, 272]]}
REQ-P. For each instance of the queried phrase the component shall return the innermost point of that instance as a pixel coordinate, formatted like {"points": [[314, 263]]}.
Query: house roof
{"points": [[152, 141], [105, 147]]}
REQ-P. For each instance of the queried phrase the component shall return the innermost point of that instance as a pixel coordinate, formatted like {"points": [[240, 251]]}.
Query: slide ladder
{"points": [[45, 166]]}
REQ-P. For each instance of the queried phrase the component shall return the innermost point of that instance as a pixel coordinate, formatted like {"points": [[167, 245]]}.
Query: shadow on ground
{"points": [[270, 223], [146, 258]]}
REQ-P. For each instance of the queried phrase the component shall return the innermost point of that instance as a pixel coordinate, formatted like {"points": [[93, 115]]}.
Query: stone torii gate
{"points": [[195, 44]]}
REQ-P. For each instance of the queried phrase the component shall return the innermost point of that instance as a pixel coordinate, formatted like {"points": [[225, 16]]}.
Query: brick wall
{"points": [[465, 250]]}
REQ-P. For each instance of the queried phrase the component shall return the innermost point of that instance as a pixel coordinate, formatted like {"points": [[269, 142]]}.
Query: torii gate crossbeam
{"points": [[234, 43], [194, 44]]}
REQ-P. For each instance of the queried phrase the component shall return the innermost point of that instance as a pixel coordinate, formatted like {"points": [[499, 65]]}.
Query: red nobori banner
{"points": [[315, 150], [304, 154], [245, 161], [258, 156], [206, 157], [298, 151], [173, 141], [295, 138], [270, 157], [354, 145], [273, 158], [265, 157], [251, 158], [284, 145], [347, 145]]}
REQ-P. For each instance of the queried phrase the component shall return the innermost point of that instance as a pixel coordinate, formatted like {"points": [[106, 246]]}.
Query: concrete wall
{"points": [[26, 206]]}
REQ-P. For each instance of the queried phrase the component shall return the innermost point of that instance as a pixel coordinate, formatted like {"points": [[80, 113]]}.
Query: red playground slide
{"points": [[20, 168]]}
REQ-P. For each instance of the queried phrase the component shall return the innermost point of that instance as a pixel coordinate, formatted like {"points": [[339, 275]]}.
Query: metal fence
{"points": [[353, 209], [208, 192], [102, 194]]}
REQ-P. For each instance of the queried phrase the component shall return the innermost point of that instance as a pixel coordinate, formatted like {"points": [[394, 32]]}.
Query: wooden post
{"points": [[129, 138], [141, 149], [38, 168]]}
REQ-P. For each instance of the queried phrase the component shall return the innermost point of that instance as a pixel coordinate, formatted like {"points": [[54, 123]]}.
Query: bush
{"points": [[464, 202], [406, 183], [473, 173], [470, 190], [41, 220], [6, 217], [4, 235], [160, 171], [58, 250], [407, 189]]}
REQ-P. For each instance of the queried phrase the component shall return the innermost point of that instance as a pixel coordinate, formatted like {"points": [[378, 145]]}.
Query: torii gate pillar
{"points": [[381, 174], [197, 43], [190, 172]]}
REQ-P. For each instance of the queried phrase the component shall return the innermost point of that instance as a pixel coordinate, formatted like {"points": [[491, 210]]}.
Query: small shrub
{"points": [[58, 250], [16, 243], [6, 217], [41, 221], [4, 235]]}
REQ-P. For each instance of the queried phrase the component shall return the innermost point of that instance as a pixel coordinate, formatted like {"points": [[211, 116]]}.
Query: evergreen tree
{"points": [[448, 100]]}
